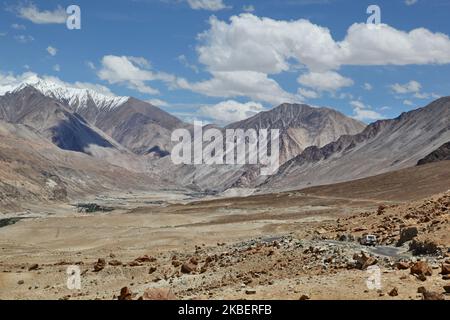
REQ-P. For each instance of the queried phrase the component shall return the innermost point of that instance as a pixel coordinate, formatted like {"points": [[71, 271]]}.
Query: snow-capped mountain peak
{"points": [[77, 96]]}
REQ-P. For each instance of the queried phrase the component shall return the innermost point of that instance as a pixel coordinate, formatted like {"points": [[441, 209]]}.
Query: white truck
{"points": [[368, 240]]}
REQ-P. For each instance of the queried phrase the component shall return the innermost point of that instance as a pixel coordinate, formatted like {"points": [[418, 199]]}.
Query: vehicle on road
{"points": [[368, 240]]}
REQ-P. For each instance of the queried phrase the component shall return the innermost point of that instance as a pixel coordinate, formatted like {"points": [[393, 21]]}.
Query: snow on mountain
{"points": [[76, 98]]}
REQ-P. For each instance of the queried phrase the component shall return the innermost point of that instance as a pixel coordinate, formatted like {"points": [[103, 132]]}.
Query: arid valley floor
{"points": [[292, 245]]}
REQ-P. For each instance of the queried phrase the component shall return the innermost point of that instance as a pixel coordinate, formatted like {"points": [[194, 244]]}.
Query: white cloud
{"points": [[57, 68], [367, 86], [131, 72], [248, 8], [2, 34], [24, 38], [310, 94], [410, 2], [230, 111], [410, 87], [266, 45], [211, 5], [52, 51], [251, 45], [91, 65], [18, 26], [255, 85], [364, 113], [408, 103], [325, 81], [184, 61], [32, 13], [158, 103]]}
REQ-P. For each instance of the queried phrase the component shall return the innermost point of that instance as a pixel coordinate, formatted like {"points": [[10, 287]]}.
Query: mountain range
{"points": [[85, 140]]}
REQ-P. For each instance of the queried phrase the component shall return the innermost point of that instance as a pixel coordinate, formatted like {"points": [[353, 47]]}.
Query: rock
{"points": [[393, 292], [363, 261], [145, 258], [176, 263], [421, 268], [33, 267], [194, 260], [250, 291], [407, 234], [188, 268], [421, 290], [445, 269], [432, 296], [446, 277], [447, 288], [99, 265], [20, 282], [152, 270], [115, 263], [402, 265], [159, 294], [304, 297], [135, 264], [125, 294]]}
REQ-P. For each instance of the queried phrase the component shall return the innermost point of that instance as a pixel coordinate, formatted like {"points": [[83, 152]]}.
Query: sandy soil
{"points": [[260, 247]]}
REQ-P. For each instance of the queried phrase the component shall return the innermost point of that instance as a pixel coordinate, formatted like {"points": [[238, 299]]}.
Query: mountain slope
{"points": [[440, 154], [51, 119], [383, 146], [301, 126], [136, 125]]}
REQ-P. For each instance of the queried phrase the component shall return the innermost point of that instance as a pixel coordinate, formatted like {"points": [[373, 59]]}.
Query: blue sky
{"points": [[223, 60]]}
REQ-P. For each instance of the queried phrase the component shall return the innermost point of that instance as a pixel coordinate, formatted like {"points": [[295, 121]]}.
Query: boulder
{"points": [[428, 295], [421, 268], [393, 292], [99, 265], [158, 294], [188, 268], [363, 261], [33, 267], [115, 263], [445, 269], [407, 234], [145, 258], [125, 294], [402, 265]]}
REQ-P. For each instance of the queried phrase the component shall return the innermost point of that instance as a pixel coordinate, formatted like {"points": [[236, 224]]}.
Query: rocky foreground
{"points": [[323, 261]]}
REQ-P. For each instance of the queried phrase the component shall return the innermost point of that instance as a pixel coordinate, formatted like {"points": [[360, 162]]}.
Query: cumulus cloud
{"points": [[367, 86], [22, 38], [132, 72], [52, 50], [18, 26], [325, 81], [211, 5], [266, 45], [158, 103], [364, 113], [410, 87], [408, 103], [310, 94], [249, 45], [410, 2], [230, 111], [255, 85], [32, 13]]}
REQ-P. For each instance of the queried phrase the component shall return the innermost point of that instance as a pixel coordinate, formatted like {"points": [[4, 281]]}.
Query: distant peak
{"points": [[76, 97]]}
